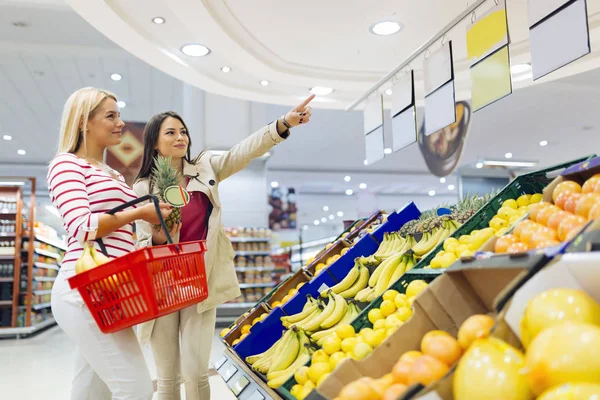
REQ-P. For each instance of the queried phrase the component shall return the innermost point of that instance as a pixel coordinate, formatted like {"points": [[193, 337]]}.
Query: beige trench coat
{"points": [[210, 170]]}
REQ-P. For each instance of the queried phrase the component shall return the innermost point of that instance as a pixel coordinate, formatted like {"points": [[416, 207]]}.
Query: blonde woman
{"points": [[83, 188], [166, 134]]}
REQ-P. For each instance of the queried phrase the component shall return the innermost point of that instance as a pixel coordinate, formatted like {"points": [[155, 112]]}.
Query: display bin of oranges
{"points": [[333, 252], [241, 327], [288, 289], [358, 225]]}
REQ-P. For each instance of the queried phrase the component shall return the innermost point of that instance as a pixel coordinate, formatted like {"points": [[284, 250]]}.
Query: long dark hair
{"points": [[151, 133]]}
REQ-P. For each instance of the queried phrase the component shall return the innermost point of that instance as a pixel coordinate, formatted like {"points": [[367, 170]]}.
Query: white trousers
{"points": [[186, 359], [108, 366]]}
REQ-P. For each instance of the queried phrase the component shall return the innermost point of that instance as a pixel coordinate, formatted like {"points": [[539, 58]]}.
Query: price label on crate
{"points": [[256, 396], [219, 363], [229, 373], [323, 288], [240, 385]]}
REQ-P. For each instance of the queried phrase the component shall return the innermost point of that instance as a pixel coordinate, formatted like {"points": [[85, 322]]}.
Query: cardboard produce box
{"points": [[444, 305]]}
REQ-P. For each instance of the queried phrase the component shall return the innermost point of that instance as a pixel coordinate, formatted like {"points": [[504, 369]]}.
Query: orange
{"points": [[571, 202], [566, 186], [590, 184], [518, 248], [585, 204]]}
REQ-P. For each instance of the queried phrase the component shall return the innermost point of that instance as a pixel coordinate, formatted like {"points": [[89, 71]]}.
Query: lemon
{"points": [[498, 223], [404, 313], [387, 307], [374, 315], [320, 266], [263, 317], [345, 331], [300, 285], [292, 292], [276, 304], [467, 253], [460, 248], [322, 378], [510, 203], [435, 262], [246, 329], [392, 321], [320, 356], [361, 350], [328, 246], [464, 239], [506, 212], [308, 387], [317, 370], [301, 375], [374, 338], [415, 287], [536, 198], [255, 320], [332, 344], [379, 324], [344, 251], [400, 301], [347, 345], [390, 294], [523, 201], [501, 232], [450, 244], [335, 359], [390, 331], [236, 341], [286, 298], [225, 331], [296, 390], [447, 260]]}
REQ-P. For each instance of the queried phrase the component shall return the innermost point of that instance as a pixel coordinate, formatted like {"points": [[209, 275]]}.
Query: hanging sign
{"points": [[404, 115], [373, 129], [439, 90], [557, 37], [488, 33]]}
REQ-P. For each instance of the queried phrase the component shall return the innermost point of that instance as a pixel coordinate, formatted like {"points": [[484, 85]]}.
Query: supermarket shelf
{"points": [[305, 245], [7, 253], [40, 292], [6, 302], [51, 242], [41, 306], [256, 285], [46, 253], [249, 240], [44, 278], [252, 253], [7, 279], [7, 214], [245, 306], [9, 235], [244, 269], [27, 330], [46, 266]]}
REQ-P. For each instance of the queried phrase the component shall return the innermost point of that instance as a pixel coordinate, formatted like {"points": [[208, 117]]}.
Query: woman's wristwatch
{"points": [[285, 123]]}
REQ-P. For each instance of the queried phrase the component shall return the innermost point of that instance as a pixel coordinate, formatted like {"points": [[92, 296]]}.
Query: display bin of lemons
{"points": [[243, 325]]}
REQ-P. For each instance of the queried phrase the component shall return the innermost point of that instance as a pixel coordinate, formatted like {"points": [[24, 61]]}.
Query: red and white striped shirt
{"points": [[81, 191]]}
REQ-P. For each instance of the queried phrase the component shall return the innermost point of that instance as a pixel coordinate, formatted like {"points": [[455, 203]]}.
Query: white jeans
{"points": [[107, 364], [191, 361]]}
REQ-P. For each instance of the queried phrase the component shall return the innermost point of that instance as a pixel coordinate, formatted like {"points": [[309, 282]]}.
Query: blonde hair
{"points": [[80, 106]]}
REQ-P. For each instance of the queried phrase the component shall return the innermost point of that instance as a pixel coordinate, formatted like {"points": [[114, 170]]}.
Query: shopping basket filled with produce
{"points": [[144, 284]]}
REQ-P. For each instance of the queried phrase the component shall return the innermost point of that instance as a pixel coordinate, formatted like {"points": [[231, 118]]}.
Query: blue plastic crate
{"points": [[364, 247], [296, 303], [262, 335], [397, 220]]}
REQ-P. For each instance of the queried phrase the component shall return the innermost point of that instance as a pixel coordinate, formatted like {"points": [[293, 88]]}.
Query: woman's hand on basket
{"points": [[159, 237], [148, 212]]}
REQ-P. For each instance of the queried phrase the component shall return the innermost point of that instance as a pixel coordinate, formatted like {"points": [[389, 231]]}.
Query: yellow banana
{"points": [[86, 262], [280, 380], [427, 243], [347, 282], [314, 314], [359, 284], [362, 295], [252, 359], [292, 319], [338, 313], [98, 257], [399, 271], [384, 279], [371, 297], [289, 353], [315, 323], [399, 244], [384, 246]]}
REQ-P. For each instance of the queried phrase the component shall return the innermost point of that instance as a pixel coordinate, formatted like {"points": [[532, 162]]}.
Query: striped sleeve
{"points": [[68, 192]]}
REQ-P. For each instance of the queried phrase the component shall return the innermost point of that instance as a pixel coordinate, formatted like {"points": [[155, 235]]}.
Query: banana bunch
{"points": [[313, 319], [356, 280], [310, 309], [434, 237], [351, 314], [386, 274], [89, 259], [391, 244], [284, 358]]}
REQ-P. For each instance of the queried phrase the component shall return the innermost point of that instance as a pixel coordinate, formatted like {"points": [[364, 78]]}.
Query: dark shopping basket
{"points": [[144, 284]]}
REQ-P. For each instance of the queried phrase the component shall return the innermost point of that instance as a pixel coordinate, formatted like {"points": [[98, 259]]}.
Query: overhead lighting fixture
{"points": [[20, 183], [7, 137], [520, 69], [442, 180], [158, 20], [121, 104], [21, 152], [347, 178], [432, 192], [264, 83], [502, 163], [195, 50], [305, 227], [323, 219], [321, 90], [543, 143], [387, 150], [451, 187], [508, 155], [388, 92], [116, 77], [479, 165], [362, 186], [386, 28], [274, 184], [226, 70], [349, 192], [340, 214], [325, 208], [316, 222], [366, 162], [331, 217]]}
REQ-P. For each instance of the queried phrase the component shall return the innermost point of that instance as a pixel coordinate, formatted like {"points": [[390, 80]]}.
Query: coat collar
{"points": [[202, 177]]}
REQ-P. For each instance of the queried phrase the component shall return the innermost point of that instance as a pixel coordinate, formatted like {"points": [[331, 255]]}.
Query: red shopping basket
{"points": [[145, 284]]}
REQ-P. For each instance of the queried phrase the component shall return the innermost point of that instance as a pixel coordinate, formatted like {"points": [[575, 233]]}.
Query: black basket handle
{"points": [[132, 203]]}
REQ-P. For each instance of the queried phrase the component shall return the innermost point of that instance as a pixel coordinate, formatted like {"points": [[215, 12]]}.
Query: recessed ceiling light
{"points": [[7, 137], [432, 192], [115, 77], [366, 162], [274, 184], [316, 222], [347, 178], [388, 92], [226, 69], [331, 217], [325, 208], [544, 143], [321, 90], [340, 214], [305, 227], [479, 165], [323, 219], [385, 28], [442, 180], [264, 83], [362, 186], [121, 104], [508, 155], [451, 187], [520, 68], [21, 152], [349, 192], [195, 50], [158, 20], [387, 150]]}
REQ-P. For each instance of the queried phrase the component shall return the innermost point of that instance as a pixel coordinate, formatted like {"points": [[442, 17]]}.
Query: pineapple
{"points": [[164, 175]]}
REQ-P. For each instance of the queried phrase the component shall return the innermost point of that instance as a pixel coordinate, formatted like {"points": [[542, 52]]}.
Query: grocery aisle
{"points": [[41, 367]]}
